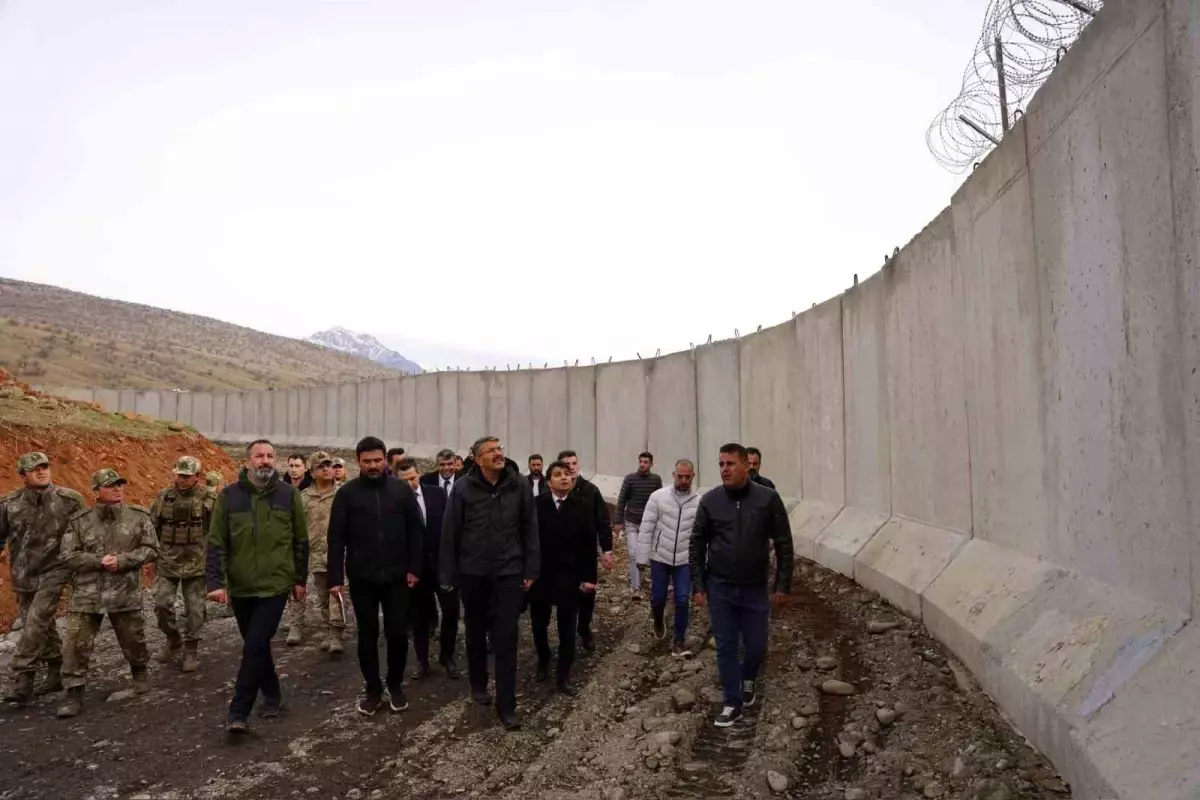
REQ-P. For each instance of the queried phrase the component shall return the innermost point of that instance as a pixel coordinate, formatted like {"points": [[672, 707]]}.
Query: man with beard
{"points": [[754, 457], [589, 493], [631, 503], [257, 554], [318, 503], [537, 481], [297, 472]]}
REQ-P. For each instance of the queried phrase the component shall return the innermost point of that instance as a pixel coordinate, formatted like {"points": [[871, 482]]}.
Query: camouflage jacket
{"points": [[33, 523], [123, 531], [316, 510], [181, 519]]}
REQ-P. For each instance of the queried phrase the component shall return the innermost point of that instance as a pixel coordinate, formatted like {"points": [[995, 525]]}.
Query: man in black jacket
{"points": [[631, 504], [538, 483], [489, 552], [598, 512], [754, 456], [736, 524], [428, 591], [375, 537], [567, 534]]}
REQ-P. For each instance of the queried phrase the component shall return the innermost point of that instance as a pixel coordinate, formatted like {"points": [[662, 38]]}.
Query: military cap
{"points": [[31, 461], [213, 478], [103, 478], [318, 458], [187, 466], [339, 462]]}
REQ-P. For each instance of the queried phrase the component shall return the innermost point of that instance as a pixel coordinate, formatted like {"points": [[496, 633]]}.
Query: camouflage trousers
{"points": [[39, 637], [193, 606], [331, 609], [130, 627]]}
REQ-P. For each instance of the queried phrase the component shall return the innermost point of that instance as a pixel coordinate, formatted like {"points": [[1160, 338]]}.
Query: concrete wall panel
{"points": [[448, 413], [332, 403], [520, 415], [315, 426], [472, 408], [409, 411], [581, 417], [265, 420], [393, 411], [185, 408], [220, 406], [926, 384], [620, 416], [279, 414], [304, 415], [375, 411], [168, 405], [234, 426], [127, 401], [429, 429], [868, 437], [348, 412], [769, 397], [108, 399], [821, 403], [362, 411], [291, 425], [551, 412], [147, 404], [718, 405], [671, 431], [496, 419]]}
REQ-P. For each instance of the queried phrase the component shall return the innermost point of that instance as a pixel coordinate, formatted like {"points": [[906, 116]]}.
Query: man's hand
{"points": [[526, 584], [607, 560], [299, 591], [587, 588], [338, 590], [700, 599], [777, 599], [109, 562], [217, 596], [413, 580]]}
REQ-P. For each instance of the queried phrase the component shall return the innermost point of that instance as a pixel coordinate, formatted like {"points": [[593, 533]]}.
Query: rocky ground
{"points": [[857, 702]]}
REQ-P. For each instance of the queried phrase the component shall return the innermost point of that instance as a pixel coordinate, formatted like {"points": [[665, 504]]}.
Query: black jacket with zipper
{"points": [[732, 537], [375, 532], [489, 529], [567, 539], [597, 510]]}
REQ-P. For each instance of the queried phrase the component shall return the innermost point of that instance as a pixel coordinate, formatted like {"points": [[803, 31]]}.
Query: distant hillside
{"points": [[364, 345], [55, 337]]}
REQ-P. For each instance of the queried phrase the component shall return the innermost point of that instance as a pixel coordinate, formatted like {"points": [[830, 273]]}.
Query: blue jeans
{"points": [[681, 578], [738, 612]]}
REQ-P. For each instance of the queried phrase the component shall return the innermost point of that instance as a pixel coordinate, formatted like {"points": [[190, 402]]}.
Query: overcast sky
{"points": [[533, 177]]}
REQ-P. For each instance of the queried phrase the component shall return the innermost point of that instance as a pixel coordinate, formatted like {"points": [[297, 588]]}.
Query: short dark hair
{"points": [[444, 454], [369, 444], [395, 451], [476, 446], [406, 464], [297, 457], [645, 454], [687, 461], [735, 449], [754, 451], [257, 442], [566, 454], [538, 456], [557, 465]]}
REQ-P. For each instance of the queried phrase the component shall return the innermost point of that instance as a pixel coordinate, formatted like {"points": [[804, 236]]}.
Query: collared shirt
{"points": [[534, 483], [421, 502], [558, 501], [446, 483]]}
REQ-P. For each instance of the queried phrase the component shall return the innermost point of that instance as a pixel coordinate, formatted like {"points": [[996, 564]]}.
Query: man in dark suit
{"points": [[433, 509], [445, 475], [537, 481], [567, 541], [598, 510]]}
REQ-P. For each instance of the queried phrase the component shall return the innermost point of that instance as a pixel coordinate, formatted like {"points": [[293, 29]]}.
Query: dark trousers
{"points": [[426, 597], [257, 620], [739, 614], [567, 607], [491, 606], [587, 609], [680, 578], [368, 598]]}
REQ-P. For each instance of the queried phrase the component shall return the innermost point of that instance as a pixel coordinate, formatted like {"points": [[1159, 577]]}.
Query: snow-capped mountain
{"points": [[364, 345]]}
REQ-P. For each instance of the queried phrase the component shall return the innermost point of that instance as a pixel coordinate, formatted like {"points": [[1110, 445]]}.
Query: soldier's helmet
{"points": [[187, 466], [103, 478], [213, 478], [318, 458], [339, 462], [31, 461]]}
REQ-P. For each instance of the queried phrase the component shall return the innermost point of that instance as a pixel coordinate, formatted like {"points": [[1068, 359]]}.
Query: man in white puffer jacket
{"points": [[664, 539]]}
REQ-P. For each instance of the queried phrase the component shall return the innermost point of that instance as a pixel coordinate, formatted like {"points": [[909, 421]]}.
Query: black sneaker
{"points": [[237, 725], [748, 693], [660, 627], [728, 716], [588, 642], [397, 701], [509, 720], [543, 672], [451, 669], [270, 708], [369, 704], [679, 649], [481, 697], [564, 687], [420, 673]]}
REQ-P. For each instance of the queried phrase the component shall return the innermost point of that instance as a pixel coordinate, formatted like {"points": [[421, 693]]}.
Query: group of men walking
{"points": [[407, 548]]}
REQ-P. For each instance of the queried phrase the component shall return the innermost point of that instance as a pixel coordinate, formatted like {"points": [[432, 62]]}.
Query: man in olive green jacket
{"points": [[257, 555]]}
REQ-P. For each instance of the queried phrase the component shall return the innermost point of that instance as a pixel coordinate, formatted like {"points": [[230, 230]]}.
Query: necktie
{"points": [[558, 504], [446, 486]]}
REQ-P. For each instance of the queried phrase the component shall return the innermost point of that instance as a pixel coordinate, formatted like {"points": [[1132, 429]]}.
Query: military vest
{"points": [[182, 517]]}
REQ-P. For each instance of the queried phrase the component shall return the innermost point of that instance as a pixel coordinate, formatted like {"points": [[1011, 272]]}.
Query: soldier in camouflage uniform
{"points": [[339, 471], [181, 517], [105, 547], [318, 500], [33, 520], [212, 483]]}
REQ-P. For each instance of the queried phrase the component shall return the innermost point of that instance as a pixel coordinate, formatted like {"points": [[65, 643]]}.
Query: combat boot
{"points": [[295, 635], [22, 690], [169, 652], [73, 704], [191, 661], [141, 681], [53, 682], [335, 641]]}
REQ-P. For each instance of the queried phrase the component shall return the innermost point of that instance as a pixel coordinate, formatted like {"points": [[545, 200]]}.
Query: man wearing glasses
{"points": [[489, 552]]}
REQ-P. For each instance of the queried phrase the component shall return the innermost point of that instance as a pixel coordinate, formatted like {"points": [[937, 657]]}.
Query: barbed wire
{"points": [[1021, 42]]}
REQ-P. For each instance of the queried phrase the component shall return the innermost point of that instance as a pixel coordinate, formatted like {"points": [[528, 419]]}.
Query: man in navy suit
{"points": [[432, 500]]}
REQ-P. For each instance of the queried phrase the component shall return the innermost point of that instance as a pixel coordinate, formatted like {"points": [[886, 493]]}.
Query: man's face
{"points": [[644, 465], [684, 476], [734, 470], [411, 477], [561, 481], [261, 461], [491, 456], [110, 495], [573, 463], [323, 472], [753, 459], [38, 477], [185, 482], [339, 472], [446, 467], [458, 462], [535, 466], [296, 468], [370, 463]]}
